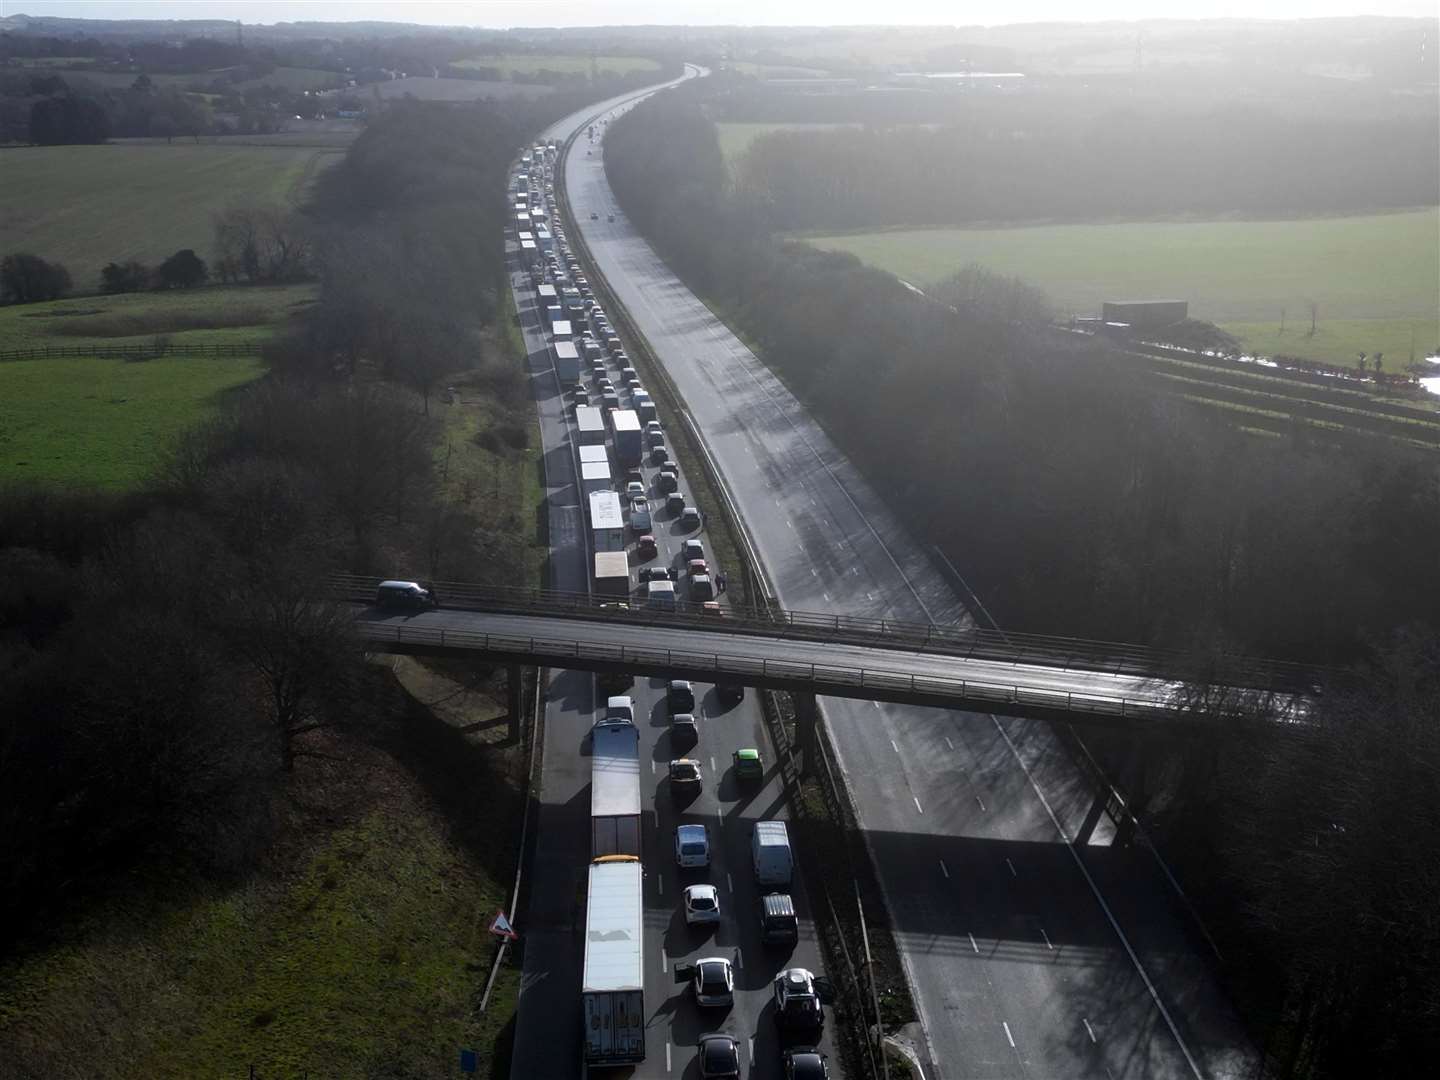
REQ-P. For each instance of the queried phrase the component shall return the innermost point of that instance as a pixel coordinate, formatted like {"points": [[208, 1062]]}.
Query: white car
{"points": [[640, 515], [692, 846], [635, 490], [702, 905], [714, 982]]}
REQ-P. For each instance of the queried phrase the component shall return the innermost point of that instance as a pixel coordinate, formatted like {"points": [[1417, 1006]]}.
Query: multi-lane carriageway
{"points": [[1031, 954]]}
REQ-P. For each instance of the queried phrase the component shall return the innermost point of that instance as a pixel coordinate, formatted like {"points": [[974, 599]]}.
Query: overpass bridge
{"points": [[963, 668]]}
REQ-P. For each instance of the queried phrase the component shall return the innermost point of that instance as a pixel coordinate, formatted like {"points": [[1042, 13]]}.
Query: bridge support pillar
{"points": [[807, 716], [515, 695]]}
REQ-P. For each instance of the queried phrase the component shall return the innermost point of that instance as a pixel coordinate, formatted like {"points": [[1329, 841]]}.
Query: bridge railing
{"points": [[1008, 698], [969, 642]]}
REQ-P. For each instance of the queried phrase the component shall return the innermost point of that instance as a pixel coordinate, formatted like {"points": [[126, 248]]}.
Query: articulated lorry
{"points": [[612, 991]]}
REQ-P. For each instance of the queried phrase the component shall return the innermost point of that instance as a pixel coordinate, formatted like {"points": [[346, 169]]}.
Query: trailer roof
{"points": [[614, 927]]}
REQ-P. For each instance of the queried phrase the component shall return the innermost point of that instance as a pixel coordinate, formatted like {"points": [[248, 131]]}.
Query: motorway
{"points": [[1030, 955], [552, 917]]}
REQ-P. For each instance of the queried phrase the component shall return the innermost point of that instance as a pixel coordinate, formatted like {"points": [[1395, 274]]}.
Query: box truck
{"points": [[626, 425]]}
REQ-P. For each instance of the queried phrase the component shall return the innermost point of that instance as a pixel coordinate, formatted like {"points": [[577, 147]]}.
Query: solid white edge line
{"points": [[944, 870], [667, 1057], [917, 804], [1109, 915], [972, 942]]}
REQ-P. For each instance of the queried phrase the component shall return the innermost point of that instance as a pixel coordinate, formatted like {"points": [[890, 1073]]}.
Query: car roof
{"points": [[701, 890], [400, 585], [748, 753], [689, 832], [683, 718]]}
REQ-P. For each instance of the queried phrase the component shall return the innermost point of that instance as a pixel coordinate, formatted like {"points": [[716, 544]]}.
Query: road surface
{"points": [[1030, 956], [547, 1036]]}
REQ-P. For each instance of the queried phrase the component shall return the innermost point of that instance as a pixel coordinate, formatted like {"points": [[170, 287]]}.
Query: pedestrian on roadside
{"points": [[720, 580]]}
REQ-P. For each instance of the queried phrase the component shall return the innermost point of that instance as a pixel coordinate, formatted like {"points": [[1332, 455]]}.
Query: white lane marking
{"points": [[667, 1057], [944, 870], [1089, 1030], [827, 597], [972, 943], [1046, 936], [712, 762], [789, 523], [1011, 1038], [752, 1049], [948, 743], [814, 573], [652, 766], [1109, 915], [664, 961], [917, 804], [977, 799], [1011, 865], [894, 747], [660, 884], [729, 883], [739, 964]]}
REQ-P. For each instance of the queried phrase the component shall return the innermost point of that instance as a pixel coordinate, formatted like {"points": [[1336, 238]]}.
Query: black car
{"points": [[681, 696], [719, 1057], [656, 573], [805, 1064]]}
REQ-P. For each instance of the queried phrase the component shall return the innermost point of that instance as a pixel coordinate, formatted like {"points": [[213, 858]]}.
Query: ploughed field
{"points": [[85, 206]]}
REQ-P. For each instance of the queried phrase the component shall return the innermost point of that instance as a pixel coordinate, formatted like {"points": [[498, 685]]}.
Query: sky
{"points": [[503, 13]]}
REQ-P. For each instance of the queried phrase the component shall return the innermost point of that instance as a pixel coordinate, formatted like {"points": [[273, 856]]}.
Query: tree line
{"points": [[1077, 502], [169, 656], [1128, 164]]}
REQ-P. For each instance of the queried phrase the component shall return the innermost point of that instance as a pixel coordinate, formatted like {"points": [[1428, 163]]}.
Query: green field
{"points": [[108, 423], [86, 206], [1375, 278], [104, 423], [525, 64]]}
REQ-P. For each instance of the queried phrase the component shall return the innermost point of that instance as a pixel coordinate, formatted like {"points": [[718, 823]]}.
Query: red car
{"points": [[645, 547]]}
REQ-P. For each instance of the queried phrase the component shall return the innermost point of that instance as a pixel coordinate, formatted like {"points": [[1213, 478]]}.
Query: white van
{"points": [[770, 854], [660, 595]]}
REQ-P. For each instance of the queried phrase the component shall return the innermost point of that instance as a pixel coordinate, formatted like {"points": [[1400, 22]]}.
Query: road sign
{"points": [[501, 927]]}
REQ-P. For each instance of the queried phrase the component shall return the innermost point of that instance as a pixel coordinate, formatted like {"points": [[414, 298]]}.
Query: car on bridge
{"points": [[405, 596]]}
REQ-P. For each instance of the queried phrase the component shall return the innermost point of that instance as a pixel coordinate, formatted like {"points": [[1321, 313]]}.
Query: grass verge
{"points": [[358, 949]]}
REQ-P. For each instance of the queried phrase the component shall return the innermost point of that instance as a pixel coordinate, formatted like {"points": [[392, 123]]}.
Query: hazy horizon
{"points": [[573, 13]]}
